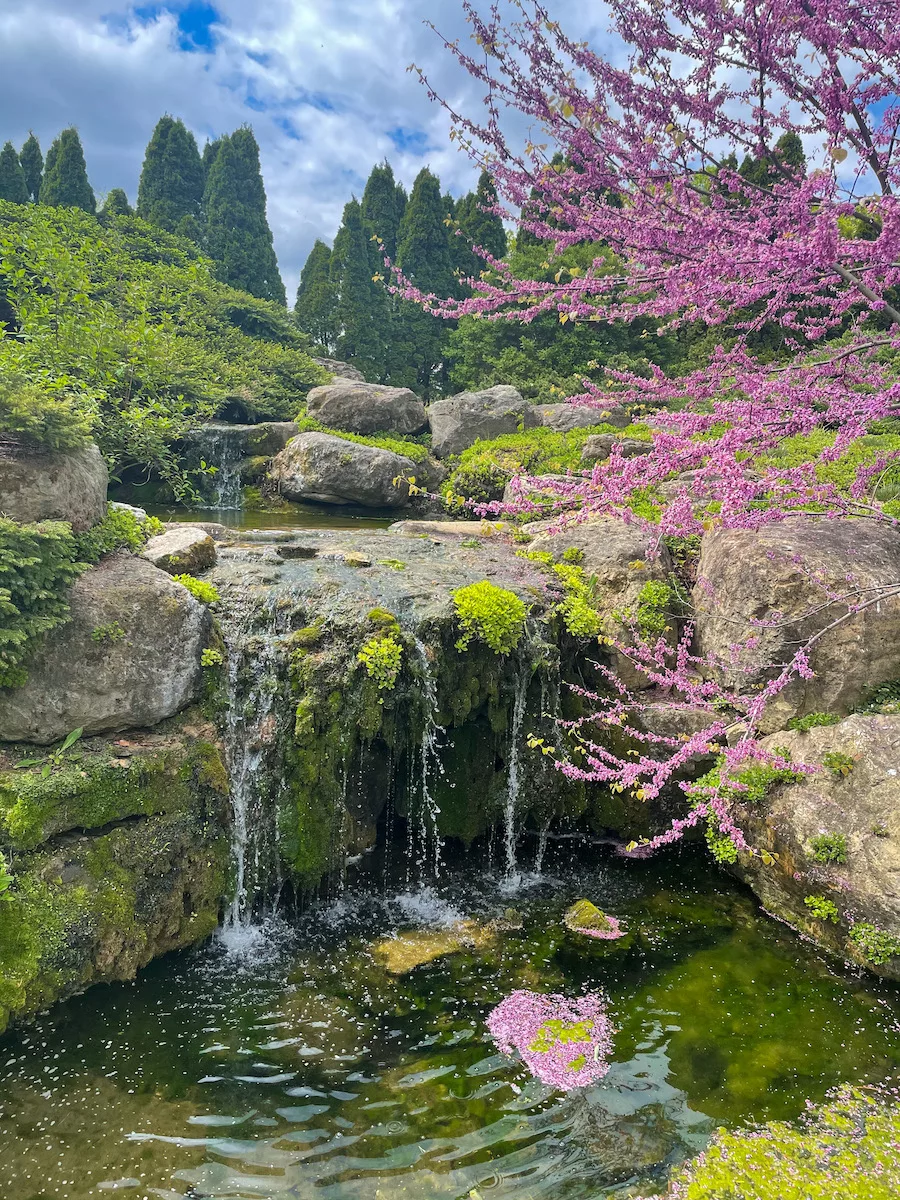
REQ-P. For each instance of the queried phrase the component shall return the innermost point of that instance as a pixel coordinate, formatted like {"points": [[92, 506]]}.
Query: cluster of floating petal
{"points": [[585, 917], [564, 1042]]}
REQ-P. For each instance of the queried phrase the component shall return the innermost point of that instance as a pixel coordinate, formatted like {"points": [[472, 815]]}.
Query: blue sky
{"points": [[323, 83]]}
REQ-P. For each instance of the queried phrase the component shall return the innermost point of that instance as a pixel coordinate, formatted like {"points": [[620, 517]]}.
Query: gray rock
{"points": [[341, 369], [331, 470], [222, 440], [565, 417], [460, 421], [863, 807], [463, 529], [139, 514], [217, 531], [598, 447], [783, 574], [269, 437], [367, 408], [618, 556], [183, 549], [54, 487], [129, 656]]}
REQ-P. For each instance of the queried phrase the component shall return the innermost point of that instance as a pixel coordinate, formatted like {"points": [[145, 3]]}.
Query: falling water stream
{"points": [[223, 448], [510, 829]]}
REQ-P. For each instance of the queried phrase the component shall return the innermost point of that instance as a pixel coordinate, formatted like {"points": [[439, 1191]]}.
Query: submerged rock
{"points": [[367, 408], [460, 421], [332, 470], [128, 656], [70, 486], [404, 952], [180, 550], [792, 574], [566, 417], [586, 918]]}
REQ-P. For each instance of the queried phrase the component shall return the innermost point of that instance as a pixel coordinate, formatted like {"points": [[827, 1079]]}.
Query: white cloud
{"points": [[277, 65]]}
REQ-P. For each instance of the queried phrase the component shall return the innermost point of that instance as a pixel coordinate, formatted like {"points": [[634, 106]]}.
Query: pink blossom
{"points": [[564, 1042]]}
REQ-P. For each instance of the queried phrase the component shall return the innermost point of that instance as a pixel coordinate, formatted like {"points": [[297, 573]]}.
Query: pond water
{"points": [[294, 1064], [301, 516]]}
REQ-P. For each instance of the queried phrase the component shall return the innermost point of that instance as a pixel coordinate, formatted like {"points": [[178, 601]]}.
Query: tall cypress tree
{"points": [[238, 237], [171, 187], [381, 212], [210, 150], [116, 205], [477, 228], [424, 258], [357, 340], [65, 182], [314, 309], [12, 178], [33, 165]]}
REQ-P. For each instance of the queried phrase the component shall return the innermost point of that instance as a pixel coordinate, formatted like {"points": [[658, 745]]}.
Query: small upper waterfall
{"points": [[223, 447], [424, 833], [513, 779]]}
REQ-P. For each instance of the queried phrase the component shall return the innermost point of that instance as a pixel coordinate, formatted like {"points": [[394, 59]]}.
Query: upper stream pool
{"points": [[301, 1067]]}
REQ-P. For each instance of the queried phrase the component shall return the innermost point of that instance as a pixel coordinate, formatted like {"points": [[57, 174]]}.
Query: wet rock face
{"points": [[129, 656], [331, 470], [180, 550], [566, 417], [367, 408], [792, 575], [856, 869], [54, 487], [460, 421]]}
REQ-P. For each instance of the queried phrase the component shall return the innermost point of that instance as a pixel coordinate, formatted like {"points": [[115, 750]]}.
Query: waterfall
{"points": [[222, 447], [251, 736], [513, 780], [429, 762]]}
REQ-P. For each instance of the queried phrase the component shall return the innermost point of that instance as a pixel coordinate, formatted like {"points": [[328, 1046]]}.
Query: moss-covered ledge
{"points": [[117, 854]]}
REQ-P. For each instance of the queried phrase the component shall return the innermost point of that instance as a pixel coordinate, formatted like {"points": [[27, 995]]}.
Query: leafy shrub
{"points": [[874, 945], [577, 608], [491, 613], [812, 721], [821, 908], [6, 878], [383, 441], [51, 420], [382, 657], [211, 658], [199, 588], [721, 846], [111, 632], [829, 848], [119, 530], [838, 762], [655, 610]]}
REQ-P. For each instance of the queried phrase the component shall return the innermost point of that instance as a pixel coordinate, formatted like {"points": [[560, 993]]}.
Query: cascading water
{"points": [[425, 835], [222, 447], [513, 779]]}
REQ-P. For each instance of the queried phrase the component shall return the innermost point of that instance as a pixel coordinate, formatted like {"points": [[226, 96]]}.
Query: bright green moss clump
{"points": [[849, 1149], [492, 614]]}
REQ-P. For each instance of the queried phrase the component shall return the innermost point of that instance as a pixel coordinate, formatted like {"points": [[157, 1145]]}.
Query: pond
{"points": [[301, 516], [288, 1061]]}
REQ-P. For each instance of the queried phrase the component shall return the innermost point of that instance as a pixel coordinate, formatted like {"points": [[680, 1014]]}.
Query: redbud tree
{"points": [[638, 150]]}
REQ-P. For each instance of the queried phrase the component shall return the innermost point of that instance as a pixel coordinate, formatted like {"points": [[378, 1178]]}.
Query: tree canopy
{"points": [[65, 183]]}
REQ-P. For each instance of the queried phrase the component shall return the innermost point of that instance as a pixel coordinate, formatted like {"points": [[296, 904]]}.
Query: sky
{"points": [[324, 83]]}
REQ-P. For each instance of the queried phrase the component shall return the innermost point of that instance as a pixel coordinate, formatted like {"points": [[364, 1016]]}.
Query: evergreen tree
{"points": [[210, 150], [787, 161], [33, 165], [314, 310], [476, 228], [423, 256], [238, 237], [172, 178], [65, 182], [358, 339], [12, 178], [402, 200], [116, 205], [381, 213]]}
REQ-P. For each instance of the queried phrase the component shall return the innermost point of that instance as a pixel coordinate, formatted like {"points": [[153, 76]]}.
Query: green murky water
{"points": [[301, 516], [305, 1069]]}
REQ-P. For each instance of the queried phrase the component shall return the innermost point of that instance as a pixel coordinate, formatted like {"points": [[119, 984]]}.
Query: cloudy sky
{"points": [[323, 83]]}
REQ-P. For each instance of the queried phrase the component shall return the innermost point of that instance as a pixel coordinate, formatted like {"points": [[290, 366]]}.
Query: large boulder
{"points": [[769, 591], [332, 470], [858, 812], [128, 657], [599, 446], [69, 486], [367, 408], [340, 369], [460, 421], [184, 548], [221, 441], [622, 559], [566, 417]]}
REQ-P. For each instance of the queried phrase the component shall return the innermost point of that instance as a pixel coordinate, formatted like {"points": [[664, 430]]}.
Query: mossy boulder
{"points": [[68, 486], [181, 549]]}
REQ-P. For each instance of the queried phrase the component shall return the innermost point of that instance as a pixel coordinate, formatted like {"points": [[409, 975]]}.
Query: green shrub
{"points": [[720, 845], [111, 632], [755, 781], [49, 419], [6, 878], [119, 530], [829, 848], [211, 657], [490, 613], [812, 721], [822, 909], [417, 451], [838, 762], [873, 944], [382, 657], [199, 588], [655, 610]]}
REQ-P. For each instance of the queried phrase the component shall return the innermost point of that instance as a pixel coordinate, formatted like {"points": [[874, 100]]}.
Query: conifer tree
{"points": [[12, 178], [402, 200], [172, 178], [423, 256], [116, 205], [476, 228], [65, 183], [314, 310], [357, 339], [238, 237], [210, 150], [381, 212], [33, 165]]}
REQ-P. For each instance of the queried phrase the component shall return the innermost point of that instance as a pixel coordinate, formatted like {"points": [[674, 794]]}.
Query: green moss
{"points": [[849, 1148], [386, 441], [813, 720], [199, 588]]}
